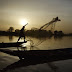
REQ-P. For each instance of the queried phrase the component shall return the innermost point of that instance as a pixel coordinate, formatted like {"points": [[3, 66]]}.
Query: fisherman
{"points": [[22, 33]]}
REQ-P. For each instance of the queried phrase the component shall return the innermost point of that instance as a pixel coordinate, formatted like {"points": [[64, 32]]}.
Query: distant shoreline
{"points": [[34, 34]]}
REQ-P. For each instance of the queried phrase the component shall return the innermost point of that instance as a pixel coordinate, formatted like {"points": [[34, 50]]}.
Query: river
{"points": [[37, 44]]}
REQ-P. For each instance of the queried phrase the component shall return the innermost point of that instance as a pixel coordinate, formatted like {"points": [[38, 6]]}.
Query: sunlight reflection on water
{"points": [[41, 43]]}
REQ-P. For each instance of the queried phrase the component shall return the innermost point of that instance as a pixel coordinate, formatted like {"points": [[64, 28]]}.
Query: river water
{"points": [[37, 44]]}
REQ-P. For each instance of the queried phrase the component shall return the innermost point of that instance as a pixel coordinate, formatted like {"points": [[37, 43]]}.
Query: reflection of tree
{"points": [[58, 37], [10, 38]]}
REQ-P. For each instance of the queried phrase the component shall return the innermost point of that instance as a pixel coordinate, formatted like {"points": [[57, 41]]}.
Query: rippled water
{"points": [[6, 60], [42, 43]]}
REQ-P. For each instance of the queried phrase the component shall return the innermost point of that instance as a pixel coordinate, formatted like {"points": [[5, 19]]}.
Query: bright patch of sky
{"points": [[37, 13]]}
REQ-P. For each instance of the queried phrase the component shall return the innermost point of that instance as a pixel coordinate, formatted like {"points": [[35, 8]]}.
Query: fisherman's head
{"points": [[23, 26]]}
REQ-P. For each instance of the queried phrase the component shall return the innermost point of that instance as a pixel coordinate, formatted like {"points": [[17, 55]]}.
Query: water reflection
{"points": [[58, 37], [27, 62], [42, 43], [25, 47], [38, 44], [10, 38]]}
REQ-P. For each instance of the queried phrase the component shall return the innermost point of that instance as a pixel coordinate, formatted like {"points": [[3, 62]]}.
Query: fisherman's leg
{"points": [[24, 38], [19, 38]]}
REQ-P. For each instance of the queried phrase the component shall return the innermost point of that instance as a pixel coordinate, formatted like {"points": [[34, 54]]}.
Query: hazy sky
{"points": [[36, 12]]}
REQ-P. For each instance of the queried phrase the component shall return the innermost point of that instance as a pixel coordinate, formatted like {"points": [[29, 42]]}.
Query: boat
{"points": [[12, 44]]}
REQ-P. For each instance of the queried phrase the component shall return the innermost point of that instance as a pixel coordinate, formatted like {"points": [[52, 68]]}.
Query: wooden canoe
{"points": [[13, 44]]}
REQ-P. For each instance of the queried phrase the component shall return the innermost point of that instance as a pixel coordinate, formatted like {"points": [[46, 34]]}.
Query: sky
{"points": [[36, 12]]}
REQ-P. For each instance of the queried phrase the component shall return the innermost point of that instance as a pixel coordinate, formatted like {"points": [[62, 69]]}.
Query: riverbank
{"points": [[34, 34], [50, 55]]}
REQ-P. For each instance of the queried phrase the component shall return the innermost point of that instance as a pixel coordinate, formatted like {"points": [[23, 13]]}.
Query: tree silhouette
{"points": [[17, 31], [11, 29]]}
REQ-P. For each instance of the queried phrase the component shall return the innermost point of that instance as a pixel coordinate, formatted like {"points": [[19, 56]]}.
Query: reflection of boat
{"points": [[13, 44]]}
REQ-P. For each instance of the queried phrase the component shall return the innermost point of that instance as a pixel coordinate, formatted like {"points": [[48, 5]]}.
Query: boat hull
{"points": [[13, 44]]}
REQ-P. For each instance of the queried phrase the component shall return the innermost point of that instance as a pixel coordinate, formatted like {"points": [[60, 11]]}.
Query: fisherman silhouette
{"points": [[22, 33]]}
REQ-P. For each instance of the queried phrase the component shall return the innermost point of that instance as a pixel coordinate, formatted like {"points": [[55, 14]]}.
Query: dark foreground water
{"points": [[10, 63]]}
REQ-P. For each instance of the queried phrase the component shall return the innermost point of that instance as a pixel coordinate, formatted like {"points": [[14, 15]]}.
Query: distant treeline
{"points": [[35, 33]]}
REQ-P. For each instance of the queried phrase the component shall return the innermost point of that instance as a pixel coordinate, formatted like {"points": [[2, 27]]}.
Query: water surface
{"points": [[42, 43], [47, 43]]}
